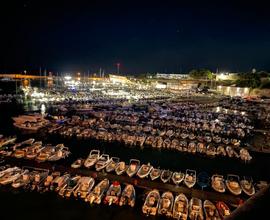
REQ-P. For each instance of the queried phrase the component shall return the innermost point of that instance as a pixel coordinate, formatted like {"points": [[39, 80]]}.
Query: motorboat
{"points": [[69, 187], [233, 185], [7, 140], [49, 179], [39, 178], [59, 153], [247, 186], [92, 158], [112, 164], [121, 167], [102, 162], [165, 206], [150, 206], [201, 148], [166, 176], [211, 150], [203, 179], [19, 153], [195, 209], [29, 141], [155, 173], [261, 185], [133, 168], [8, 170], [190, 178], [221, 151], [231, 152], [98, 192], [113, 193], [77, 163], [144, 170], [180, 207], [128, 196], [223, 209], [10, 177], [244, 155], [60, 182], [217, 183], [210, 211], [23, 180], [33, 151], [178, 177], [192, 147], [85, 185]]}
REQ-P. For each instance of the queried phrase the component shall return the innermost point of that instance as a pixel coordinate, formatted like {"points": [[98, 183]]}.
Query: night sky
{"points": [[158, 36]]}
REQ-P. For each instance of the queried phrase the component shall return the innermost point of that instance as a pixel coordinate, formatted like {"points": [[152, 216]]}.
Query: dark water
{"points": [[22, 205]]}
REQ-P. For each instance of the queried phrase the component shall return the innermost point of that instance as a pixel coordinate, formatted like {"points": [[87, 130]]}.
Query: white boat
{"points": [[8, 140], [195, 209], [144, 170], [233, 185], [128, 196], [23, 180], [247, 186], [69, 187], [210, 211], [221, 151], [85, 185], [165, 205], [133, 168], [150, 206], [113, 194], [244, 155], [102, 162], [211, 150], [112, 164], [166, 176], [190, 178], [9, 170], [155, 173], [180, 207], [98, 192], [231, 152], [217, 183], [178, 177], [61, 182], [120, 168], [10, 177], [77, 163], [92, 158]]}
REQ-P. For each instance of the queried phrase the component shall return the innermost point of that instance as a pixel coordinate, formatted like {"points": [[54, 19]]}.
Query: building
{"points": [[171, 76]]}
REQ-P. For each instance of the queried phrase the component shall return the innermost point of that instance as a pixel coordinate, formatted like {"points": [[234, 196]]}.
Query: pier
{"points": [[145, 184]]}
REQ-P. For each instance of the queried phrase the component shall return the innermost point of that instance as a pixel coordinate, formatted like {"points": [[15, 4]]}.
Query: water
{"points": [[49, 206]]}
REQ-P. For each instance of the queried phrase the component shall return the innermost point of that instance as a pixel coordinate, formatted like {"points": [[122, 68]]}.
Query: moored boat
{"points": [[133, 168], [155, 173], [178, 177], [223, 209], [165, 205], [128, 196], [144, 170], [233, 185], [102, 162], [247, 186], [92, 158], [150, 206], [77, 163], [166, 176], [113, 193], [210, 211], [120, 168], [217, 183], [195, 209], [190, 178], [85, 185], [98, 192], [112, 164], [180, 207]]}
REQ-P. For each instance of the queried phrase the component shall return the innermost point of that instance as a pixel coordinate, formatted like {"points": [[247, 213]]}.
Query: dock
{"points": [[145, 184]]}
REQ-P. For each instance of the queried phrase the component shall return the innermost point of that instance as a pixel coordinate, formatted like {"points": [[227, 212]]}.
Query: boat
{"points": [[23, 180], [120, 168], [98, 192], [203, 179], [150, 206], [210, 211], [195, 209], [39, 178], [165, 205], [221, 151], [128, 196], [113, 193], [29, 141], [69, 187], [60, 182], [217, 183], [178, 177], [112, 164], [180, 207], [201, 148], [133, 168], [77, 163], [92, 158], [85, 185], [191, 147], [231, 152], [190, 178], [102, 162], [59, 152], [49, 179], [166, 176], [144, 170], [247, 186], [7, 140], [223, 209], [10, 177], [33, 151], [155, 173], [211, 150], [19, 153], [232, 183], [8, 170], [244, 155], [261, 185]]}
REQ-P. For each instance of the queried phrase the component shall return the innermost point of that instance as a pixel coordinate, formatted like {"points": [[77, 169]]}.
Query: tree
{"points": [[201, 74]]}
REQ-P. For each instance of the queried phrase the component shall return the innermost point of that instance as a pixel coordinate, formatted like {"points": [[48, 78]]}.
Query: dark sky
{"points": [[157, 36]]}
